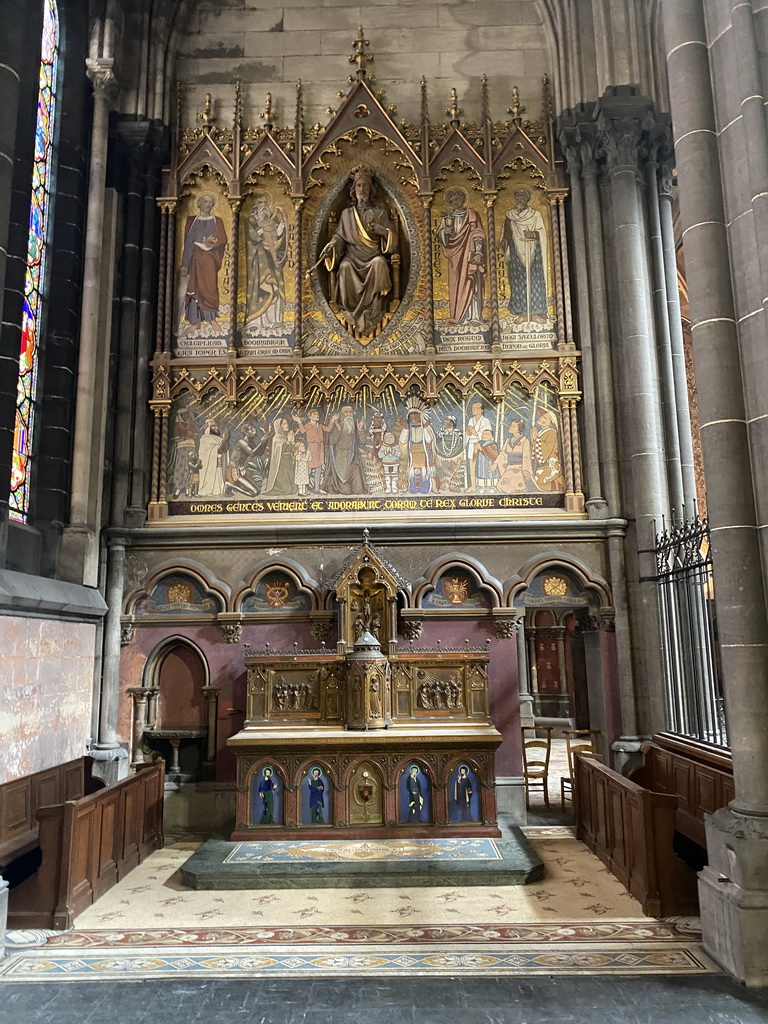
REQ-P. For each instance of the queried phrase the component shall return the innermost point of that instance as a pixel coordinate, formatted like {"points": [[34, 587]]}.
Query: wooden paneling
{"points": [[699, 776], [631, 829], [88, 844], [21, 799]]}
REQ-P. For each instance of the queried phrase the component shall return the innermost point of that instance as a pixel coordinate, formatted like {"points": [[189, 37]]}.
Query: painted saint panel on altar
{"points": [[316, 798], [267, 797], [463, 795], [201, 314], [415, 790], [525, 266], [383, 454], [266, 284]]}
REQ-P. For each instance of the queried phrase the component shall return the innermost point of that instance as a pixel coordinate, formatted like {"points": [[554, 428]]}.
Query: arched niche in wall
{"points": [[457, 584], [277, 589], [564, 605], [177, 593], [175, 707]]}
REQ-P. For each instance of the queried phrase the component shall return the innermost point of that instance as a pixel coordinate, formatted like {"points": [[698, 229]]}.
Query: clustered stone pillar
{"points": [[629, 328], [211, 694], [712, 64], [80, 543]]}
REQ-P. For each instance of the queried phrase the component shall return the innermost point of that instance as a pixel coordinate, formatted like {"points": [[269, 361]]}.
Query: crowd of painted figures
{"points": [[412, 450]]}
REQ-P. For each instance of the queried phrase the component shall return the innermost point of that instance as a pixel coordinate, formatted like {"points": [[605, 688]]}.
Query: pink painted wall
{"points": [[503, 681], [45, 697]]}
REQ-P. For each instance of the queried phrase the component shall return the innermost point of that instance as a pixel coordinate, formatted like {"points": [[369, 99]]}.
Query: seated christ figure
{"points": [[358, 248]]}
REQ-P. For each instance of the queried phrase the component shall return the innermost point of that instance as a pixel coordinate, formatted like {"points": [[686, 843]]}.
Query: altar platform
{"points": [[377, 863]]}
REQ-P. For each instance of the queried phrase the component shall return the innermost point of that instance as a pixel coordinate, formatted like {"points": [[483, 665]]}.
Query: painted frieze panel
{"points": [[381, 453], [177, 595]]}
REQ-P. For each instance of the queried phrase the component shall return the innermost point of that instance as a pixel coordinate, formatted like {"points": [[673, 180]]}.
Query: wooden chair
{"points": [[536, 754], [577, 741]]}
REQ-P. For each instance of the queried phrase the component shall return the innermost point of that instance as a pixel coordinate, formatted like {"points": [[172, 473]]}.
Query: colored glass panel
{"points": [[37, 251]]}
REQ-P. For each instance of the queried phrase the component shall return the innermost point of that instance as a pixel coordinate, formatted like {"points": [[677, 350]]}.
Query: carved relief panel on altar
{"points": [[439, 689], [300, 694]]}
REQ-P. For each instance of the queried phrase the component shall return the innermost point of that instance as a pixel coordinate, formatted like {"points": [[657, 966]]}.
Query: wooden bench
{"points": [[21, 798], [631, 830], [88, 845]]}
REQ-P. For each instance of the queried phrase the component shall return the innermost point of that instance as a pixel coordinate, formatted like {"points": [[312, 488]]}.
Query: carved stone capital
{"points": [[621, 142], [506, 629], [99, 71], [127, 632], [231, 632], [411, 628]]}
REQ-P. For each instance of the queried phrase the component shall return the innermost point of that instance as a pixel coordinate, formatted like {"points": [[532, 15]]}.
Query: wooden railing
{"points": [[631, 830], [21, 798], [87, 846]]}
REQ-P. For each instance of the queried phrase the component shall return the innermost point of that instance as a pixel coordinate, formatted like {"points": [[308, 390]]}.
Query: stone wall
{"points": [[268, 47], [46, 696]]}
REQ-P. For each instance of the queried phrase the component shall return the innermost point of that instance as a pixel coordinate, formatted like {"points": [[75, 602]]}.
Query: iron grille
{"points": [[691, 652]]}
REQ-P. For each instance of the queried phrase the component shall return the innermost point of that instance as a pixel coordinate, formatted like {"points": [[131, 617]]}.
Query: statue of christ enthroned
{"points": [[358, 252]]}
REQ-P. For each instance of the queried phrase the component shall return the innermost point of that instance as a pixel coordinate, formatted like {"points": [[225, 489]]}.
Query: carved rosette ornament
{"points": [[321, 630]]}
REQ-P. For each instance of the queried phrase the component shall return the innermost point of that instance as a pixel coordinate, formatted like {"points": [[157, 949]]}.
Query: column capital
{"points": [[100, 71]]}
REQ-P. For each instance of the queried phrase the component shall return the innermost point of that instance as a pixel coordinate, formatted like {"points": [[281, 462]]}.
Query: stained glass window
{"points": [[37, 252]]}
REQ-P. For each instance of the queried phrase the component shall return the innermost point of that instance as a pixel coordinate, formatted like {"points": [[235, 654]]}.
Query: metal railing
{"points": [[690, 648]]}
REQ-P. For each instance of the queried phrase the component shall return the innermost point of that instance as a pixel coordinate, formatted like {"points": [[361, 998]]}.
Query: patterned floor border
{"points": [[615, 948]]}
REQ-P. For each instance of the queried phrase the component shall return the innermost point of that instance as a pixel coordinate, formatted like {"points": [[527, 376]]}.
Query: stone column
{"points": [[211, 694], [524, 680], [112, 757], [80, 542], [139, 696], [733, 888], [596, 504], [623, 120], [4, 887], [677, 343], [663, 335], [530, 636], [579, 132]]}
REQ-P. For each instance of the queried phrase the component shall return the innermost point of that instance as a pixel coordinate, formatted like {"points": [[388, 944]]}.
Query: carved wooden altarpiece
{"points": [[365, 317], [362, 740]]}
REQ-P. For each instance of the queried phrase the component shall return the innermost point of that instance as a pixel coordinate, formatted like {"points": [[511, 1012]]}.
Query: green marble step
{"points": [[378, 863]]}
